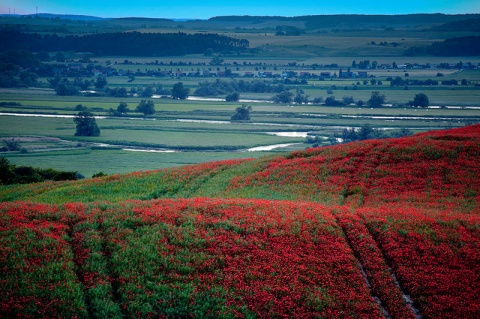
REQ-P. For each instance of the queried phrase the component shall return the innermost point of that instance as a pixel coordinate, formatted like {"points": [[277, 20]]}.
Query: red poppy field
{"points": [[374, 229]]}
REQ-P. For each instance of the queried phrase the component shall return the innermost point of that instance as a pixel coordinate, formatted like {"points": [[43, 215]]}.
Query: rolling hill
{"points": [[372, 229]]}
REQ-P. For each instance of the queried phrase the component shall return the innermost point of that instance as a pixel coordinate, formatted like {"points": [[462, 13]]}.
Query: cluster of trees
{"points": [[285, 96], [288, 30], [462, 25], [126, 44], [462, 46], [398, 81], [147, 107], [12, 174], [376, 100], [20, 68], [117, 92], [364, 64], [64, 86], [332, 101], [366, 132], [220, 87], [16, 69]]}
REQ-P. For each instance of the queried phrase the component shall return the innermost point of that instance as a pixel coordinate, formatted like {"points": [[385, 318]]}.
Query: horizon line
{"points": [[236, 15]]}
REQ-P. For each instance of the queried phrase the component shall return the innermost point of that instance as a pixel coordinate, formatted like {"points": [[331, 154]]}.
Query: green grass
{"points": [[88, 162], [186, 139], [166, 132]]}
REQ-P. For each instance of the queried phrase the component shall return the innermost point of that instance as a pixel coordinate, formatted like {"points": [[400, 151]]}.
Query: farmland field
{"points": [[205, 125], [318, 204], [361, 235]]}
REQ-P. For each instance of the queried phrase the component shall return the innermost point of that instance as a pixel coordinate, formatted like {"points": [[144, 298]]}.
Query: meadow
{"points": [[376, 229], [194, 138], [201, 131], [164, 132]]}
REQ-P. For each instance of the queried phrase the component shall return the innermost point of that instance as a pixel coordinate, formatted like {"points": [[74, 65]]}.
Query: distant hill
{"points": [[472, 25], [309, 23], [462, 46], [65, 16], [128, 43], [353, 20]]}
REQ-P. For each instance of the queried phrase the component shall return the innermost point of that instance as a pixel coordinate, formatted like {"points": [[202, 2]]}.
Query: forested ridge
{"points": [[127, 43], [463, 46], [460, 46], [322, 21]]}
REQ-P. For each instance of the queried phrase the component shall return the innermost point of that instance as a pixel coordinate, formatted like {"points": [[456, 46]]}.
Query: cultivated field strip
{"points": [[372, 261], [231, 258]]}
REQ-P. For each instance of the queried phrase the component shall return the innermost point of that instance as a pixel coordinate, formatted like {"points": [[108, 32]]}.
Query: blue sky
{"points": [[209, 8]]}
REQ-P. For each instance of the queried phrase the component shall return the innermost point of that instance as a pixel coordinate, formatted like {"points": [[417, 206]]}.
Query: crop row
{"points": [[201, 258], [435, 257], [214, 258]]}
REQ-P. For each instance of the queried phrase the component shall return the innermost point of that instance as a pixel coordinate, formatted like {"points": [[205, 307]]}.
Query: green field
{"points": [[194, 142], [200, 130]]}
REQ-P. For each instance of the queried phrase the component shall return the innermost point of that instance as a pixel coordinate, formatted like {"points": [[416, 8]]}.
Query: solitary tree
{"points": [[348, 100], [64, 88], [146, 107], [331, 101], [86, 124], [147, 92], [376, 99], [300, 98], [242, 113], [122, 108], [101, 82], [232, 97], [10, 145], [421, 100], [179, 91], [284, 97]]}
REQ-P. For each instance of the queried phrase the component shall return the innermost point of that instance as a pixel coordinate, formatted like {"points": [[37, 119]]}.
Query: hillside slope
{"points": [[373, 229], [438, 169]]}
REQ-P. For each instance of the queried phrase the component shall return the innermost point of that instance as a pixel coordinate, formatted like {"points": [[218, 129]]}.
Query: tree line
{"points": [[313, 22], [219, 87], [126, 44], [462, 46], [12, 174]]}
